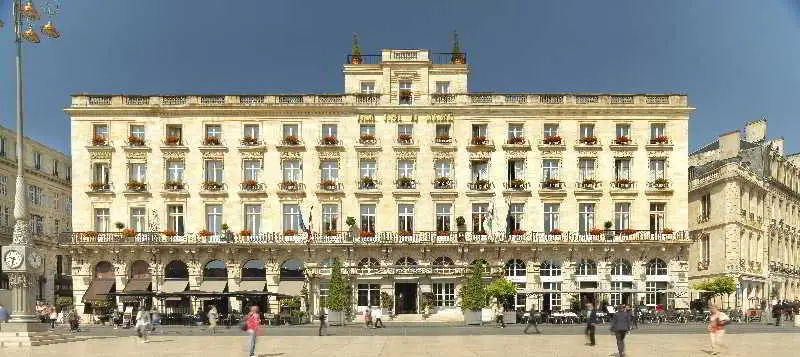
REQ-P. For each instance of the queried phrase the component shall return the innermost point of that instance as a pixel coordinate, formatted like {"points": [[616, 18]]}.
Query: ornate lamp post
{"points": [[21, 260]]}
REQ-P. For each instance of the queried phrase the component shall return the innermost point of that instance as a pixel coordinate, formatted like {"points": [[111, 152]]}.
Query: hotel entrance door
{"points": [[405, 298]]}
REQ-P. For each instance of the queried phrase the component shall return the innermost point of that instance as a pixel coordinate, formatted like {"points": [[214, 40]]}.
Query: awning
{"points": [[291, 288], [213, 286], [174, 286], [252, 285], [98, 289], [137, 285]]}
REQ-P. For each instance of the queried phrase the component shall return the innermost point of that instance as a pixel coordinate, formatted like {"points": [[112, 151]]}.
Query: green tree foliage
{"points": [[501, 289], [337, 296], [718, 286], [473, 293]]}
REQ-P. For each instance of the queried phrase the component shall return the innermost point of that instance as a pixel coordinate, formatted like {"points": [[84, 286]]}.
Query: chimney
{"points": [[729, 144], [755, 131]]}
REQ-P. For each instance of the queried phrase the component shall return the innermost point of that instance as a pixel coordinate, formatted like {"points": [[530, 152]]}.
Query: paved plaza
{"points": [[489, 342]]}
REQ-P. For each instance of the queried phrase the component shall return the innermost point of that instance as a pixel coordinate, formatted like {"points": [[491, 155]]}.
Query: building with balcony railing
{"points": [[433, 176], [49, 200], [743, 214]]}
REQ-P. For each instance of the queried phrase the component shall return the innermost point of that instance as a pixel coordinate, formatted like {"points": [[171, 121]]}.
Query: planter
{"points": [[336, 318], [510, 317], [472, 317]]}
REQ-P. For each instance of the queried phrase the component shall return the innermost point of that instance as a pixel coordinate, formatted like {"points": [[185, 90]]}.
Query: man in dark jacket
{"points": [[777, 312], [591, 321], [323, 325], [533, 316], [620, 325]]}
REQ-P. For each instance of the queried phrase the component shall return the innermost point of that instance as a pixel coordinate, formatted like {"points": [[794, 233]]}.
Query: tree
{"points": [[337, 295], [473, 293], [501, 289], [717, 286]]}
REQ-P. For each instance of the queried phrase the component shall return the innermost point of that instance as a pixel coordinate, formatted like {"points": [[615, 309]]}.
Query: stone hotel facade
{"points": [[406, 177]]}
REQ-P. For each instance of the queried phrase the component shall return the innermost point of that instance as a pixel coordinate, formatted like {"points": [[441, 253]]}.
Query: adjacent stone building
{"points": [[217, 191], [49, 192], [744, 204]]}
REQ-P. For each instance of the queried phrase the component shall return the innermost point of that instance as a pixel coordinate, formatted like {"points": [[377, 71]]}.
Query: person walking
{"points": [[155, 319], [143, 325], [74, 320], [532, 322], [368, 317], [4, 315], [377, 316], [620, 325], [253, 321], [716, 329], [53, 317], [323, 325], [213, 317], [777, 312], [498, 314], [591, 321]]}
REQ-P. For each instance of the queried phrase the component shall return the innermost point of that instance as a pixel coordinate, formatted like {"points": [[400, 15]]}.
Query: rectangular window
{"points": [[102, 173], [705, 206], [442, 87], [405, 168], [37, 225], [442, 168], [444, 211], [622, 169], [214, 218], [175, 171], [705, 249], [657, 168], [291, 217], [250, 131], [175, 131], [585, 217], [102, 220], [585, 169], [252, 170], [137, 218], [443, 131], [101, 131], [137, 172], [369, 295], [214, 171], [368, 168], [367, 129], [252, 218], [324, 291], [586, 130], [655, 293], [368, 218], [405, 94], [657, 130], [3, 143], [405, 129], [480, 170], [657, 217], [55, 167], [480, 130], [367, 87], [329, 130], [515, 131], [516, 170], [37, 160], [550, 130], [551, 221], [291, 130], [480, 215], [405, 217], [330, 170], [623, 130], [213, 131], [622, 215], [292, 171], [551, 301], [444, 294], [516, 214], [550, 169], [137, 131], [620, 298], [330, 218]]}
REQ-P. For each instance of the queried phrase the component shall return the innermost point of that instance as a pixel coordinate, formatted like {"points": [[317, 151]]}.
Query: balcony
{"points": [[622, 143], [703, 218], [658, 143], [368, 183], [213, 188], [480, 185], [443, 98], [588, 184], [444, 183], [290, 142], [173, 142], [212, 143], [516, 143], [330, 186], [100, 188], [251, 143], [100, 143], [367, 99], [136, 143], [659, 185], [588, 143], [330, 143], [367, 140], [252, 187], [480, 143], [136, 187], [516, 185], [174, 188], [553, 142], [552, 184], [291, 187], [405, 140], [405, 183]]}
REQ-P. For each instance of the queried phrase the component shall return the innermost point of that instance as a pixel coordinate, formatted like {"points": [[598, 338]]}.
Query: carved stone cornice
{"points": [[216, 154], [174, 155], [252, 155], [136, 156], [100, 155], [291, 155], [406, 155]]}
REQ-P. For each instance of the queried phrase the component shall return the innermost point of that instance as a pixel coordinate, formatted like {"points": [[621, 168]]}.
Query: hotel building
{"points": [[406, 177]]}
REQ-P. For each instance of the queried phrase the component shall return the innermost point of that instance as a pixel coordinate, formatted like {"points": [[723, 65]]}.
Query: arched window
{"points": [[254, 269], [586, 267], [215, 270], [176, 269], [443, 265], [368, 265], [621, 267], [550, 268], [656, 267], [140, 270], [104, 270], [406, 261], [443, 261], [292, 269], [515, 267]]}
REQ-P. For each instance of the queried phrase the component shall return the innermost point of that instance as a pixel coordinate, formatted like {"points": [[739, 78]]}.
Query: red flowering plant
{"points": [[99, 140], [555, 232], [289, 232], [596, 231], [172, 140], [552, 140], [169, 233], [135, 141], [661, 139], [205, 233], [589, 140], [622, 140], [330, 140], [211, 140], [478, 140], [128, 232], [245, 233], [516, 140], [366, 234], [291, 140]]}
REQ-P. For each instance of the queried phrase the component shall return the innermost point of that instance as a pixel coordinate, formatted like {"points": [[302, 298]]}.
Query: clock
{"points": [[34, 259], [13, 259]]}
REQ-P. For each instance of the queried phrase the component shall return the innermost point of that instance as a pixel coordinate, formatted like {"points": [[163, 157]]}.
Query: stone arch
{"points": [[621, 267], [104, 270], [585, 267], [292, 269], [140, 269], [550, 267], [176, 269], [656, 266], [515, 267], [254, 269], [483, 263], [215, 270]]}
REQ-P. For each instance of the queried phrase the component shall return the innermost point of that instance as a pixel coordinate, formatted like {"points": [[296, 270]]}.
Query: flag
{"points": [[509, 229], [303, 226], [490, 218]]}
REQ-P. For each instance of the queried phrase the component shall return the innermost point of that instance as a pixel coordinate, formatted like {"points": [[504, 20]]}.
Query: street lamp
{"points": [[21, 260]]}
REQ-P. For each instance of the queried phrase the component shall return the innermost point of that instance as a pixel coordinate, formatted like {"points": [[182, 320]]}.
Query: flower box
{"points": [[443, 139], [331, 233], [457, 58], [289, 185], [624, 183], [98, 186], [245, 233], [128, 232], [405, 233], [367, 181], [442, 182], [596, 231], [135, 186], [366, 234], [552, 183], [172, 140], [98, 140], [442, 233], [661, 183], [289, 232], [516, 183], [555, 232], [622, 140], [328, 184], [588, 140], [135, 141], [588, 183], [552, 140], [249, 184], [169, 233], [173, 185], [628, 231], [211, 141], [212, 186], [405, 138], [518, 232], [667, 231], [516, 140], [330, 140], [249, 141], [205, 233], [291, 140], [367, 139], [661, 139], [405, 182], [478, 140], [480, 232]]}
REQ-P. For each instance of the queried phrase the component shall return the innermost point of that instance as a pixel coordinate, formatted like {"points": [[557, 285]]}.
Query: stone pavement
{"points": [[651, 345]]}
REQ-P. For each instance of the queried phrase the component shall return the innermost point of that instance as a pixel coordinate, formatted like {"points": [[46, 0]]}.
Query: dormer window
{"points": [[405, 95], [442, 87], [368, 87]]}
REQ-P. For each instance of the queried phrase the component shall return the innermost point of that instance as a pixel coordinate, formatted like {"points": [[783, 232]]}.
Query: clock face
{"points": [[13, 259], [35, 260]]}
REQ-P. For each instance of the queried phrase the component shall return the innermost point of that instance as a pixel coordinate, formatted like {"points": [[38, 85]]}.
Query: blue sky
{"points": [[737, 60]]}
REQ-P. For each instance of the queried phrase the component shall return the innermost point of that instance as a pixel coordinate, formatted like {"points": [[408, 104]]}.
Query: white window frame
{"points": [[517, 214], [551, 216], [444, 295], [252, 214], [516, 130], [292, 170], [550, 169], [138, 219], [586, 130], [250, 131], [329, 170], [586, 167], [622, 168], [622, 215], [405, 168], [214, 218], [368, 168], [480, 211], [623, 130], [550, 129], [368, 217], [214, 130], [251, 169], [444, 215], [405, 215], [658, 217], [137, 130], [102, 219], [586, 217], [443, 168], [291, 217], [367, 87], [214, 171], [442, 87], [137, 172], [175, 170], [330, 217]]}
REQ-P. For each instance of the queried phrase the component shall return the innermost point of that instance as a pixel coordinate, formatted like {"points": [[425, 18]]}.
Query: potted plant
{"points": [[367, 139], [249, 185], [661, 139], [555, 232], [366, 234], [98, 140], [350, 222], [442, 182], [442, 138], [456, 57], [661, 182], [503, 290], [97, 186], [135, 186], [119, 225], [355, 51], [595, 231], [427, 302], [518, 232], [289, 232], [624, 183], [404, 138], [589, 140], [291, 140], [135, 141], [173, 185], [330, 140], [387, 303], [249, 141], [443, 233], [473, 295], [169, 233], [478, 140], [205, 233], [245, 233], [516, 140], [628, 231], [552, 183], [460, 221], [622, 140], [667, 231], [212, 186], [337, 295], [367, 182], [289, 185], [331, 233], [404, 182], [516, 183], [552, 140], [588, 183], [328, 185], [128, 232], [481, 184], [63, 302], [405, 233], [100, 308], [609, 234], [211, 141], [172, 140]]}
